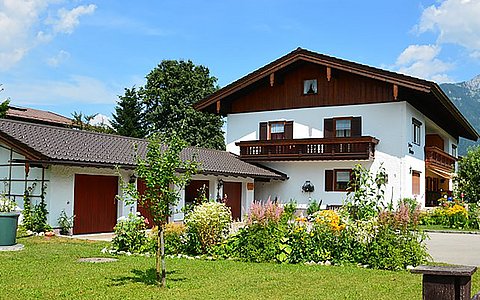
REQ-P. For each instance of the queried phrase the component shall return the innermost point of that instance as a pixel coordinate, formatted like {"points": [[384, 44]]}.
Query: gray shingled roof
{"points": [[58, 145]]}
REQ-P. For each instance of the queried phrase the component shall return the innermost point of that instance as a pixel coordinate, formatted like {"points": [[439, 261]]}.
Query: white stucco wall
{"points": [[391, 123]]}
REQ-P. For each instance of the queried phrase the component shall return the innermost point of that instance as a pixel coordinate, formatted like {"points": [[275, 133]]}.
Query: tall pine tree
{"points": [[128, 116], [171, 90]]}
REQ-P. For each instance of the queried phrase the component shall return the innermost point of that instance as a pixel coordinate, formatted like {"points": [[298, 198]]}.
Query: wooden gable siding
{"points": [[344, 88]]}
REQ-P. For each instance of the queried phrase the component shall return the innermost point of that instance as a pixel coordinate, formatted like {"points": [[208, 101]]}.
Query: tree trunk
{"points": [[161, 270], [158, 254], [164, 268]]}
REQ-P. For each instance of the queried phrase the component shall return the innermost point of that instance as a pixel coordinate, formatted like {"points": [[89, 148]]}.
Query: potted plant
{"points": [[8, 221]]}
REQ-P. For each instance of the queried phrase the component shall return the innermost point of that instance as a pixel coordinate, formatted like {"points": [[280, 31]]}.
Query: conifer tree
{"points": [[128, 116]]}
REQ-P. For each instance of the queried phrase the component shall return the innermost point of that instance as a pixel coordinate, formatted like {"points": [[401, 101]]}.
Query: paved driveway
{"points": [[455, 248]]}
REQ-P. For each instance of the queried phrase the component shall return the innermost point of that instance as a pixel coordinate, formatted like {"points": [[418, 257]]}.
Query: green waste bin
{"points": [[8, 228]]}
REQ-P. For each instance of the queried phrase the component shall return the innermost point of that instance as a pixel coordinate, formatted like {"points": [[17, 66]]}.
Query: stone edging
{"points": [[451, 231]]}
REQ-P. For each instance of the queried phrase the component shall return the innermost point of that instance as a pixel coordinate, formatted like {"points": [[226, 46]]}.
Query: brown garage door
{"points": [[233, 192], [95, 207]]}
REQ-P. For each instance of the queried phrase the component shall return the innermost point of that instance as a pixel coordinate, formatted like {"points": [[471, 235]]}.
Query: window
{"points": [[417, 130], [277, 131], [310, 87], [454, 150], [343, 128], [342, 178], [337, 180]]}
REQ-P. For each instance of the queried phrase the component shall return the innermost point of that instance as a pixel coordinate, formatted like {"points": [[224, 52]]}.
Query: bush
{"points": [[130, 234], [313, 207], [208, 224], [175, 236]]}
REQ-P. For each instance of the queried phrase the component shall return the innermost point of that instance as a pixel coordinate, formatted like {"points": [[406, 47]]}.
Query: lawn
{"points": [[444, 228], [48, 269]]}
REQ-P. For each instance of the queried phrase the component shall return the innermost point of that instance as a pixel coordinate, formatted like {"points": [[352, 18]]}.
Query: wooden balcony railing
{"points": [[437, 158], [351, 148]]}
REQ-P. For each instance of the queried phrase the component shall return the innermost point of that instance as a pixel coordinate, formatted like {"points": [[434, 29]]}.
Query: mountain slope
{"points": [[466, 96]]}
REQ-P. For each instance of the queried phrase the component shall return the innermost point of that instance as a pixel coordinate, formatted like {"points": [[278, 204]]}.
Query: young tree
{"points": [[165, 174], [128, 116], [468, 176], [169, 94]]}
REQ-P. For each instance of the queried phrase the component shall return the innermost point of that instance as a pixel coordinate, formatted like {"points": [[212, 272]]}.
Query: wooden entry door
{"points": [[94, 206], [232, 191]]}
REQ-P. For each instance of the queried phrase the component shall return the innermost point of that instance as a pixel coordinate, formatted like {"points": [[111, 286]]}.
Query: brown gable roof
{"points": [[37, 116], [463, 128], [58, 145]]}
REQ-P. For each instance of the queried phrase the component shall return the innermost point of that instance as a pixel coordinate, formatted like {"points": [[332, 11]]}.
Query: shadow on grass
{"points": [[147, 277]]}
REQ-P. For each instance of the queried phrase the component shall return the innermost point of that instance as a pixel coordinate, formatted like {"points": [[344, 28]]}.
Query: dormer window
{"points": [[310, 87]]}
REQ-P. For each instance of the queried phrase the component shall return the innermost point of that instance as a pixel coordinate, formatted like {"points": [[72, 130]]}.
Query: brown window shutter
{"points": [[357, 126], [288, 130], [328, 180], [415, 182], [263, 131], [328, 128]]}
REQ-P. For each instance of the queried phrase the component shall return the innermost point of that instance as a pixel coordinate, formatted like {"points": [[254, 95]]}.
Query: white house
{"points": [[75, 170], [313, 117]]}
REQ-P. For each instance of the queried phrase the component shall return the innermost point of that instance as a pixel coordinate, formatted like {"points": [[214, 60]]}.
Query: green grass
{"points": [[48, 269], [443, 228]]}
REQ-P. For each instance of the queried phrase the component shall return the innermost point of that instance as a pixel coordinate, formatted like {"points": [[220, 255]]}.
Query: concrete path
{"points": [[95, 236], [455, 248]]}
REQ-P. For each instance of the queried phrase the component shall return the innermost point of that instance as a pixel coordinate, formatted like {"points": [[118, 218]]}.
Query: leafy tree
{"points": [[468, 176], [82, 122], [172, 88], [128, 116], [163, 183], [4, 106]]}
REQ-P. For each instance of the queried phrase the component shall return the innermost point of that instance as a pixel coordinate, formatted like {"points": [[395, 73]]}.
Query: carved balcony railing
{"points": [[437, 158], [350, 148]]}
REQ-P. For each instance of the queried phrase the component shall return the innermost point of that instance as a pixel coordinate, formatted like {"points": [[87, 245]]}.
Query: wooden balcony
{"points": [[351, 148], [438, 159]]}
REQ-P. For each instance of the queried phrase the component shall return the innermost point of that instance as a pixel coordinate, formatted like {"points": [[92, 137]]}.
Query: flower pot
{"points": [[8, 228]]}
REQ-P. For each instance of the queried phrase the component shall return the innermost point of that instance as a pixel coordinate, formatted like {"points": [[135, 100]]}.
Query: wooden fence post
{"points": [[446, 282]]}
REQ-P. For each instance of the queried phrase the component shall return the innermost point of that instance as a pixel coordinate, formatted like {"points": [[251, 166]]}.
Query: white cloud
{"points": [[455, 21], [69, 19], [59, 58], [23, 26], [422, 61], [76, 89]]}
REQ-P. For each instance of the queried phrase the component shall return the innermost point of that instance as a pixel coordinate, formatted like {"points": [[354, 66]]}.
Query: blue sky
{"points": [[67, 56]]}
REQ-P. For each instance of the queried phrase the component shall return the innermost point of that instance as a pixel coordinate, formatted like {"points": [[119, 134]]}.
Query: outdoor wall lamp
{"points": [[132, 178], [308, 187]]}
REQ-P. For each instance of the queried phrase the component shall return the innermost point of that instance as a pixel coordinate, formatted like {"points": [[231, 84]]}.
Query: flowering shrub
{"points": [[7, 205], [329, 218], [453, 214], [264, 213], [209, 223], [130, 234]]}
